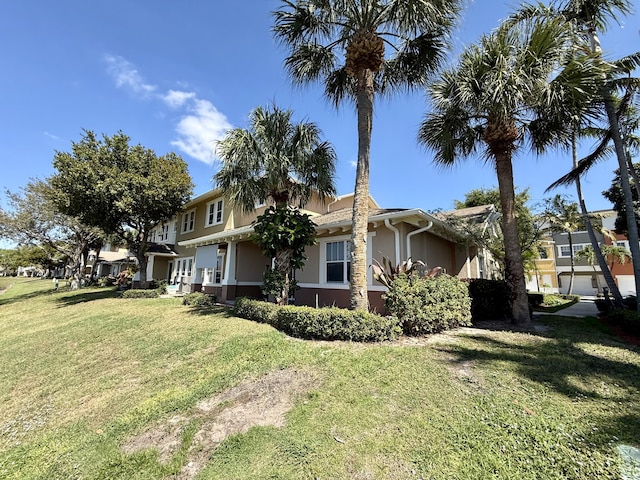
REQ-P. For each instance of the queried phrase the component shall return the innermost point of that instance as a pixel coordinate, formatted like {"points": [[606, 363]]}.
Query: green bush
{"points": [[428, 305], [159, 285], [535, 299], [320, 323], [256, 310], [336, 324], [489, 299], [628, 320], [108, 281], [199, 299], [139, 293]]}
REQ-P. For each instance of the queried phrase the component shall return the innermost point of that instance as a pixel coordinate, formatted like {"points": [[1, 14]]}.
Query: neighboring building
{"points": [[544, 277], [207, 248], [622, 273], [588, 279]]}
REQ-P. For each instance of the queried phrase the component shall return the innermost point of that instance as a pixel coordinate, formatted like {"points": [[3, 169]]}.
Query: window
{"points": [[188, 221], [219, 268], [164, 233], [565, 251], [214, 213], [338, 262]]}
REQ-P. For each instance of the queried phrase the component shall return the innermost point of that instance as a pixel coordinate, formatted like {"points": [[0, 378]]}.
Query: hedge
{"points": [[140, 293], [320, 323]]}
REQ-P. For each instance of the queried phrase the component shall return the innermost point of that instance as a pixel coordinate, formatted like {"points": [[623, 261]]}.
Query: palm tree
{"points": [[509, 89], [562, 216], [342, 43], [589, 18], [274, 160], [280, 162]]}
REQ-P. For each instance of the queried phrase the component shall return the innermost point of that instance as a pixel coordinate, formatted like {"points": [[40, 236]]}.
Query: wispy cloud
{"points": [[353, 163], [197, 130], [126, 76], [52, 136]]}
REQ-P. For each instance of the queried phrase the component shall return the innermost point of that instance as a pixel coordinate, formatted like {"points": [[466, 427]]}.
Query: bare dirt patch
{"points": [[259, 402]]}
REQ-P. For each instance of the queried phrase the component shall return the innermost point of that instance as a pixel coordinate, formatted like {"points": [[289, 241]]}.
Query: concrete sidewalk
{"points": [[586, 307]]}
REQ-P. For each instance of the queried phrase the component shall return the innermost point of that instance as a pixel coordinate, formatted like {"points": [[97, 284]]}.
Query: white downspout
{"points": [[396, 234], [415, 232]]}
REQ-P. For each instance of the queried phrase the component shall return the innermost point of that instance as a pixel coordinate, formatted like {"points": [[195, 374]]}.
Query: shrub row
{"points": [[140, 293], [628, 320], [320, 323], [428, 305], [199, 299]]}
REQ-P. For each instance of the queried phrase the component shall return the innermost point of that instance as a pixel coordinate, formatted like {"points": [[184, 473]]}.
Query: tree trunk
{"points": [[358, 297], [597, 251], [572, 263], [514, 270], [282, 264], [632, 226]]}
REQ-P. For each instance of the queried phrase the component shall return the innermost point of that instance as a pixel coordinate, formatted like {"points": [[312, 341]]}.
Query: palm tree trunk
{"points": [[597, 251], [514, 270], [632, 226], [572, 263], [358, 291]]}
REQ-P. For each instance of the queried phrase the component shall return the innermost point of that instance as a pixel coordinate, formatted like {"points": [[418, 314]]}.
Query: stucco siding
{"points": [[250, 263]]}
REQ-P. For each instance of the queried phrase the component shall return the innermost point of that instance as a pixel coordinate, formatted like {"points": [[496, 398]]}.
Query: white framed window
{"points": [[337, 268], [215, 212], [164, 233], [622, 243], [188, 221], [565, 252], [152, 237]]}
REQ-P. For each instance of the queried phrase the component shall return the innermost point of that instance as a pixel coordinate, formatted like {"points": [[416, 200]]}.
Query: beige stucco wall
{"points": [[310, 273], [250, 263], [160, 268]]}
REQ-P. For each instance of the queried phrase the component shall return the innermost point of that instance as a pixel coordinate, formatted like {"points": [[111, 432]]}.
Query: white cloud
{"points": [[126, 76], [353, 163], [199, 131], [177, 98]]}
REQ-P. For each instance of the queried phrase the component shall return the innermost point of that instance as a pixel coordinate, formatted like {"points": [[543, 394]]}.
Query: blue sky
{"points": [[175, 75]]}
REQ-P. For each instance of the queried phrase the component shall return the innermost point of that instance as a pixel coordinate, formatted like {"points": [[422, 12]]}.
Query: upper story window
{"points": [[566, 252], [215, 212], [188, 221], [163, 234]]}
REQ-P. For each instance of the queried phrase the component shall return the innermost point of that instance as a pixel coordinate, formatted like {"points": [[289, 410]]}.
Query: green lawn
{"points": [[84, 375]]}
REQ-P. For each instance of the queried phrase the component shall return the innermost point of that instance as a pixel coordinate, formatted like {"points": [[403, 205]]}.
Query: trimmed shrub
{"points": [[535, 299], [256, 310], [320, 323], [199, 299], [139, 293], [336, 324], [429, 305], [628, 320], [489, 299]]}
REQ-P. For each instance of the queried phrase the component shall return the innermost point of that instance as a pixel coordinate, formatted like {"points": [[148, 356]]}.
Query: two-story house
{"points": [[207, 248]]}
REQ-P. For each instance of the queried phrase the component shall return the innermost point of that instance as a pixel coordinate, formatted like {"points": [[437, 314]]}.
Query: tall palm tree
{"points": [[590, 18], [506, 91], [343, 43], [277, 161], [274, 160]]}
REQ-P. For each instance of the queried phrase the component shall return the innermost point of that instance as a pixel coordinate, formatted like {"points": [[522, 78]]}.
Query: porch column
{"points": [[229, 280]]}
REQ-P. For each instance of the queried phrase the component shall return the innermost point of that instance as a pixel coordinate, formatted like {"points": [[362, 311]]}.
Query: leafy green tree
{"points": [[613, 252], [124, 190], [343, 44], [34, 219], [528, 231], [507, 91], [283, 233], [616, 196], [277, 161], [562, 216]]}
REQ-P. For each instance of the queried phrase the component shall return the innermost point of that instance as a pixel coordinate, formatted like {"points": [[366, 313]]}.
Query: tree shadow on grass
{"points": [[78, 296], [217, 310], [7, 299], [560, 358]]}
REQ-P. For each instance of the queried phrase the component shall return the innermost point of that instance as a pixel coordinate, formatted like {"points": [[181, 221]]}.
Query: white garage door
{"points": [[581, 285], [626, 285]]}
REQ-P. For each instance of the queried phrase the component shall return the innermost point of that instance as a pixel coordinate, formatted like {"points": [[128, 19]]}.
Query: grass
{"points": [[81, 372]]}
